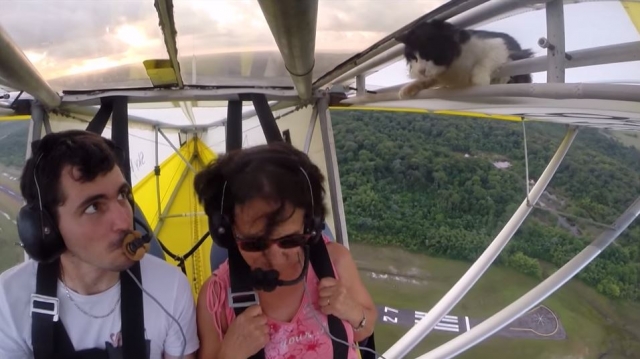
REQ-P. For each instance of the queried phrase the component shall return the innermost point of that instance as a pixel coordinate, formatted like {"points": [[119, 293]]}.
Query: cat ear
{"points": [[462, 35], [402, 38]]}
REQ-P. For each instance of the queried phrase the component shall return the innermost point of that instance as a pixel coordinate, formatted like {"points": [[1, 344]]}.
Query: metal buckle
{"points": [[55, 312], [242, 299]]}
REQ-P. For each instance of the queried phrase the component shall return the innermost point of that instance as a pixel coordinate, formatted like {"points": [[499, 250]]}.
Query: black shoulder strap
{"points": [[370, 343], [45, 310], [321, 263], [240, 274], [240, 283], [48, 335], [132, 314]]}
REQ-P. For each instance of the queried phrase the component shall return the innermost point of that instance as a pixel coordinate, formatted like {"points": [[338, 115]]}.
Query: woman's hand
{"points": [[335, 299], [247, 334]]}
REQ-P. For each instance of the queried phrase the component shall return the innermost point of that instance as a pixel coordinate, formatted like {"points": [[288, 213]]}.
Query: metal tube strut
{"points": [[193, 93], [182, 215], [156, 171], [601, 55], [172, 198], [164, 8], [333, 175], [265, 116], [47, 124], [293, 26], [372, 65], [403, 346], [18, 72], [177, 151], [38, 116], [539, 293], [234, 126], [555, 41], [361, 85], [311, 128], [557, 91]]}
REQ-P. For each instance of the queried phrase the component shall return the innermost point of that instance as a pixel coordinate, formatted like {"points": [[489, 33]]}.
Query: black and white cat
{"points": [[440, 53]]}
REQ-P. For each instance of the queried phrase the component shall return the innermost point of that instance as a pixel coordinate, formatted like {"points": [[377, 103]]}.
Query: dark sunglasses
{"points": [[259, 244]]}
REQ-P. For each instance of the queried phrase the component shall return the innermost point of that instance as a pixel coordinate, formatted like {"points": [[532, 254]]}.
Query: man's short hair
{"points": [[91, 154]]}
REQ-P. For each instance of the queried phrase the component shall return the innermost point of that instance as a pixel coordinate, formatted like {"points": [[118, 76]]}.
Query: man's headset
{"points": [[41, 238], [221, 231]]}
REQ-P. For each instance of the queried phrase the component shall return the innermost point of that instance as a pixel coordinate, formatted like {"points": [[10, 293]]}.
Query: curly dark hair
{"points": [[90, 153], [270, 172]]}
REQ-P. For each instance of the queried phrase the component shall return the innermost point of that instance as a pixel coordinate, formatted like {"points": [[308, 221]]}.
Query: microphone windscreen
{"points": [[134, 247]]}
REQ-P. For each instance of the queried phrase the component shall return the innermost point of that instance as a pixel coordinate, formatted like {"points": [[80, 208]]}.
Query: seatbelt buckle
{"points": [[48, 301], [242, 299]]}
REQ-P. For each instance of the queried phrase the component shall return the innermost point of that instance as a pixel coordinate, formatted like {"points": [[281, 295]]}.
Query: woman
{"points": [[266, 198]]}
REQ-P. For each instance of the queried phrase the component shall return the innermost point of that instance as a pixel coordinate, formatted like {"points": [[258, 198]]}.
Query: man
{"points": [[75, 176]]}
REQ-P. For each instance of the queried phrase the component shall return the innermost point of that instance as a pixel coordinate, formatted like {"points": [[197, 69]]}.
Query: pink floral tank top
{"points": [[302, 337]]}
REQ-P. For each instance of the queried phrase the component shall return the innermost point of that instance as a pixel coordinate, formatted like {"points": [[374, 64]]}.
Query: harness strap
{"points": [[132, 315], [45, 310], [369, 343], [65, 349], [321, 262], [48, 335], [240, 287], [240, 274]]}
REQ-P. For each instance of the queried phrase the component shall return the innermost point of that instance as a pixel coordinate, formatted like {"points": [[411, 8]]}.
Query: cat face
{"points": [[432, 47], [421, 68]]}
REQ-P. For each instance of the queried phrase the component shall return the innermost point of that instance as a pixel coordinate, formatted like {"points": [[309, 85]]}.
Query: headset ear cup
{"points": [[39, 234], [220, 230]]}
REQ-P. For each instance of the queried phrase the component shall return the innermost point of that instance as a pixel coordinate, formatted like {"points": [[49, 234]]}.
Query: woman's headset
{"points": [[220, 227]]}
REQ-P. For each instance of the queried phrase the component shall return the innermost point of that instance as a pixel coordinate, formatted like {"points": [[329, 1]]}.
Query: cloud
{"points": [[68, 37]]}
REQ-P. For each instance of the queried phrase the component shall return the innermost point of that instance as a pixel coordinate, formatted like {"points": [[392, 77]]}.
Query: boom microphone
{"points": [[268, 280], [136, 245]]}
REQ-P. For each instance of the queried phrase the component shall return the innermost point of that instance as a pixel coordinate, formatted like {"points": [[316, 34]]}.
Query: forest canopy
{"points": [[446, 185]]}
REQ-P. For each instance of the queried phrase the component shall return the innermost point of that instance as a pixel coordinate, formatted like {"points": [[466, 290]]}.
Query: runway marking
{"points": [[541, 319], [461, 324]]}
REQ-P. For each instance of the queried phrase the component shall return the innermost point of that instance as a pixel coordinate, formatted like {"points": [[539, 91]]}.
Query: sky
{"points": [[587, 25], [65, 37]]}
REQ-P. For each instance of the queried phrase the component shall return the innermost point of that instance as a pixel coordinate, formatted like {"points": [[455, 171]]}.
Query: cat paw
{"points": [[409, 91], [481, 78]]}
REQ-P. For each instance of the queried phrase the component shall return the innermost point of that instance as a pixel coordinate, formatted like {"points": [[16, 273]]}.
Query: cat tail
{"points": [[520, 55]]}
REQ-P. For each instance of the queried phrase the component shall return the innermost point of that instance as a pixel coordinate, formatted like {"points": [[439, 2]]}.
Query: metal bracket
{"points": [[55, 312], [242, 299], [544, 43]]}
